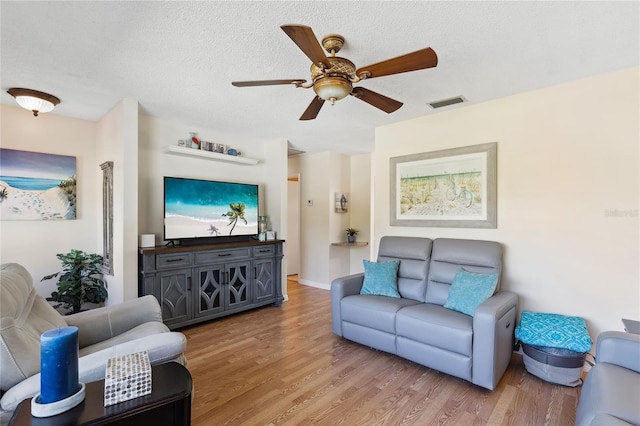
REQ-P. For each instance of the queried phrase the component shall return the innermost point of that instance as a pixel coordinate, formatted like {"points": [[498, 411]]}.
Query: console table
{"points": [[169, 404], [202, 282]]}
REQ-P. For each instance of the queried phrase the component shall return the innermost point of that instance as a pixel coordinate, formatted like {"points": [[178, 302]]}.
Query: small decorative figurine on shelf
{"points": [[194, 141], [351, 235]]}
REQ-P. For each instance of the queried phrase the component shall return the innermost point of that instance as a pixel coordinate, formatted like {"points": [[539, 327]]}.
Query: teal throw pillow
{"points": [[381, 278], [469, 289]]}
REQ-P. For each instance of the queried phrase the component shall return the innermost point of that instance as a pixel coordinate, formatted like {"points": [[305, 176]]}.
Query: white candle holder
{"points": [[55, 408]]}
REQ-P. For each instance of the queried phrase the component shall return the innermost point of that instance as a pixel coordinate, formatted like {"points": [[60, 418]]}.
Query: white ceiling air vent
{"points": [[446, 102]]}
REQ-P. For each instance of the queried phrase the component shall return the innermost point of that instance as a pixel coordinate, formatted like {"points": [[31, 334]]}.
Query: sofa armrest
{"points": [[341, 288], [619, 348], [161, 348], [493, 325], [100, 324]]}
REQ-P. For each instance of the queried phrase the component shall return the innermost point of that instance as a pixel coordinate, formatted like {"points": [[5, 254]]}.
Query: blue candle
{"points": [[58, 364]]}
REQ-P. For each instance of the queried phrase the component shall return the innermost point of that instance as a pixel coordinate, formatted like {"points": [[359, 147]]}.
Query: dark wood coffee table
{"points": [[168, 404]]}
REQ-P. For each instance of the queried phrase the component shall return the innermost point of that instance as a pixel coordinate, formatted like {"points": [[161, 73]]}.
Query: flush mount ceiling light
{"points": [[34, 100]]}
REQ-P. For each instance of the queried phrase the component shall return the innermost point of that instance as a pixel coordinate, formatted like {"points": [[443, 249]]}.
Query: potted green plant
{"points": [[351, 235], [80, 281]]}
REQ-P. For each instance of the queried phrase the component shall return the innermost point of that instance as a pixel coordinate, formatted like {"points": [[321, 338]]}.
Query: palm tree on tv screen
{"points": [[236, 212]]}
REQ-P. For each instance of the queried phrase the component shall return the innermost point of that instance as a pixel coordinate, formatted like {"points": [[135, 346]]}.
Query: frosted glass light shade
{"points": [[332, 88], [34, 100], [34, 104]]}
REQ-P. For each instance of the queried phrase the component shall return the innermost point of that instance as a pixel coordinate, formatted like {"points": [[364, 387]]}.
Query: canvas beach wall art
{"points": [[37, 186]]}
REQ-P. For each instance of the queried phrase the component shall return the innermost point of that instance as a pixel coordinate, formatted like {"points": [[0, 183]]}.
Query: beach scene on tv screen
{"points": [[198, 208]]}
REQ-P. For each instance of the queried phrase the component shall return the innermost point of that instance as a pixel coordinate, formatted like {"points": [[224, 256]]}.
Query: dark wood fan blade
{"points": [[313, 109], [266, 82], [379, 101], [306, 40], [418, 60]]}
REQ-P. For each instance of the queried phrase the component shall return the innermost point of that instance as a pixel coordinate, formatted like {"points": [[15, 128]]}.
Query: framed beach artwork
{"points": [[453, 188], [37, 186]]}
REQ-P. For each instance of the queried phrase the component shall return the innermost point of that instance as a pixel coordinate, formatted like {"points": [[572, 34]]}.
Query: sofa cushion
{"points": [[469, 290], [380, 278], [24, 316], [436, 326], [483, 257], [414, 254], [377, 312]]}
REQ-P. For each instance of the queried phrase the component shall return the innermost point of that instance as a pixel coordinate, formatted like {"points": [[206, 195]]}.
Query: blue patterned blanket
{"points": [[554, 331]]}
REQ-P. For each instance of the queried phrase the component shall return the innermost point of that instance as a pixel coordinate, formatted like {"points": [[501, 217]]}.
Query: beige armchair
{"points": [[129, 327]]}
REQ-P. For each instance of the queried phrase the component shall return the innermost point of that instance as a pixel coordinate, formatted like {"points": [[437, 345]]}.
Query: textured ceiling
{"points": [[178, 59]]}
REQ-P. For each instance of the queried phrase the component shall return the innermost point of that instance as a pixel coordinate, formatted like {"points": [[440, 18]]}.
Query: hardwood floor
{"points": [[283, 365]]}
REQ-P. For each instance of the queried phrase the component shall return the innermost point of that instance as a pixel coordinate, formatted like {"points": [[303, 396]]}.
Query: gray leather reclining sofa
{"points": [[417, 326]]}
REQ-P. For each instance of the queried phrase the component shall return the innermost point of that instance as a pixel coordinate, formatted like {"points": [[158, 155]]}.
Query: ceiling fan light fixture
{"points": [[34, 100], [332, 88], [333, 77]]}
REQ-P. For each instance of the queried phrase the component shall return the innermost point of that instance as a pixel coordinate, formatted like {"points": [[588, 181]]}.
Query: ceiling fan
{"points": [[333, 77]]}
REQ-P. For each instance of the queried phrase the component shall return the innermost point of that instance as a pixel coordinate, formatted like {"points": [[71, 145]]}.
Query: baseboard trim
{"points": [[314, 284]]}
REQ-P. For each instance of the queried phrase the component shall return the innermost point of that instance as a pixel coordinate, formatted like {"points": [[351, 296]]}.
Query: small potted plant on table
{"points": [[351, 235]]}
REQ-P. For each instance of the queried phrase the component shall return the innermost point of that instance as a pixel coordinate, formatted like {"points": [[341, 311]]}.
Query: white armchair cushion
{"points": [[140, 332], [24, 316], [100, 325]]}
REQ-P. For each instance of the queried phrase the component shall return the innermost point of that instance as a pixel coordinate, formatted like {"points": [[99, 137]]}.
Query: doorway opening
{"points": [[293, 225]]}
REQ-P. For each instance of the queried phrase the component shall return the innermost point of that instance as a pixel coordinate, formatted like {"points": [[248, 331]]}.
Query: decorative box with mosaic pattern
{"points": [[127, 377]]}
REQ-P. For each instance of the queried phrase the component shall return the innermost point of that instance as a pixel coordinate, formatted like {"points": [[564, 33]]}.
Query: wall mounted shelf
{"points": [[207, 155], [356, 244]]}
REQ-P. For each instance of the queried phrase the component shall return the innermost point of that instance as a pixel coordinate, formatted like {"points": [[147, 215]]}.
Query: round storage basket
{"points": [[555, 365]]}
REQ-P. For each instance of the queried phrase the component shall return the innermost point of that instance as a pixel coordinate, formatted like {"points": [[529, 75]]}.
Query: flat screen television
{"points": [[198, 210]]}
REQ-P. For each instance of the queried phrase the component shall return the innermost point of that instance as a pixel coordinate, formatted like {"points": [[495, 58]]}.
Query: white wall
{"points": [[117, 135], [34, 244], [321, 176], [274, 179], [568, 191], [293, 226], [314, 219], [360, 210], [339, 176]]}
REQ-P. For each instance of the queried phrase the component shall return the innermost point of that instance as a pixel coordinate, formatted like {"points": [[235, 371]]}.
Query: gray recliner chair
{"points": [[103, 333], [610, 395]]}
